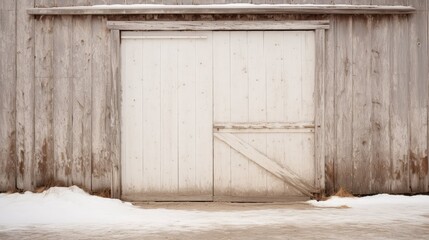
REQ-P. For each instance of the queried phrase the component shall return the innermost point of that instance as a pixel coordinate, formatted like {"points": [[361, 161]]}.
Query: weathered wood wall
{"points": [[56, 110]]}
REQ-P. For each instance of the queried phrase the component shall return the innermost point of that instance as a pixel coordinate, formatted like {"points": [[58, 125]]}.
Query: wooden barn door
{"points": [[263, 114], [227, 115], [167, 151]]}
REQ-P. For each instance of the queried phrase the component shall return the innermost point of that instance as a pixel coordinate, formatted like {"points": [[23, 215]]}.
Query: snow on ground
{"points": [[65, 207]]}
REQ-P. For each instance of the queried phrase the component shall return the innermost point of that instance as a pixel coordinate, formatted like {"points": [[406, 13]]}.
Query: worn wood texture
{"points": [[399, 100], [391, 117], [43, 101], [8, 158], [24, 95], [380, 104], [319, 108], [343, 103], [100, 118], [418, 94], [115, 105], [62, 97], [216, 9], [361, 95], [81, 100], [329, 118], [218, 25]]}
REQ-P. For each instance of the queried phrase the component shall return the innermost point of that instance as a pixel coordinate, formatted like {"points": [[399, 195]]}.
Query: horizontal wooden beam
{"points": [[282, 172], [222, 9], [217, 25], [263, 130], [264, 125], [270, 127]]}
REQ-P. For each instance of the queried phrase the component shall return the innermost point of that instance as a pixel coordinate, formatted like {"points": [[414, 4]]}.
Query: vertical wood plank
{"points": [[169, 120], [361, 124], [222, 113], [380, 103], [319, 114], [81, 87], [275, 92], [8, 85], [186, 114], [418, 87], [25, 95], [204, 115], [257, 107], [312, 103], [100, 119], [293, 86], [152, 115], [329, 118], [399, 98], [115, 79], [343, 100], [239, 107], [62, 98], [43, 98], [132, 116]]}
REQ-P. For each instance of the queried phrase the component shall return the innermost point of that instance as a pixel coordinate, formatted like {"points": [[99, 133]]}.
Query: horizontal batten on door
{"points": [[264, 130], [265, 125], [273, 127], [164, 37]]}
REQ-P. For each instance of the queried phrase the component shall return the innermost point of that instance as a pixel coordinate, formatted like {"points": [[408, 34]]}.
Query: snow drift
{"points": [[72, 207]]}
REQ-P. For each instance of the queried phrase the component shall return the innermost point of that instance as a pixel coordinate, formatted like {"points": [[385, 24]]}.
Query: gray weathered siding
{"points": [[56, 110]]}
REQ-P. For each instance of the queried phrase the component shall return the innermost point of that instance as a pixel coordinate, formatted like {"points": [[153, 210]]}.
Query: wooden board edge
{"points": [[115, 103], [217, 25], [320, 110], [216, 9]]}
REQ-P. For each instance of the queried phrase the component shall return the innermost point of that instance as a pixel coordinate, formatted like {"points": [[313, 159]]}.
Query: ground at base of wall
{"points": [[70, 213]]}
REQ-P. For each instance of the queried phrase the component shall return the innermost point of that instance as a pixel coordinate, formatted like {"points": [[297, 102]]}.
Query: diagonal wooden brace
{"points": [[284, 173]]}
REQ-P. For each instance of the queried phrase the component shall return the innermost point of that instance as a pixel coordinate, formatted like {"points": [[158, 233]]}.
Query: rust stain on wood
{"points": [[43, 165], [424, 166], [21, 163]]}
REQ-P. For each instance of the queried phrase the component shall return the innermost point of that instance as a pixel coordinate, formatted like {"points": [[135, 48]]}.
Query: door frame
{"points": [[115, 27]]}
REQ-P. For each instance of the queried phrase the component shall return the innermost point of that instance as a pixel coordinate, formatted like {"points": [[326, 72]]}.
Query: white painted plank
{"points": [[187, 115], [319, 109], [222, 113], [257, 108], [132, 116], [169, 114], [307, 166], [293, 75], [204, 114], [239, 107], [275, 92], [151, 115]]}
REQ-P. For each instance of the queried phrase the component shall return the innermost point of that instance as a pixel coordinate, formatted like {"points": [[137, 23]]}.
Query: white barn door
{"points": [[167, 151], [264, 108], [223, 115]]}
